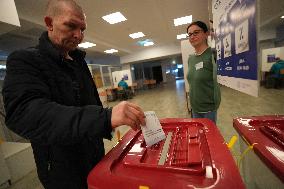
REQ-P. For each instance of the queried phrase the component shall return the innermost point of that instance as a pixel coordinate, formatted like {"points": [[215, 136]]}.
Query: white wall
{"points": [[267, 33], [126, 68], [186, 50], [151, 53], [117, 75], [115, 78], [108, 60], [8, 12]]}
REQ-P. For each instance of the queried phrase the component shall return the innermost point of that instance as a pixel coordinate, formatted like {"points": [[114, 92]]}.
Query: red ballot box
{"points": [[193, 155], [266, 135]]}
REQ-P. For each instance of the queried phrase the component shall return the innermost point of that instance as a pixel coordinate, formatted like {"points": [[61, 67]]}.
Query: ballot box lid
{"points": [[193, 155], [266, 135]]}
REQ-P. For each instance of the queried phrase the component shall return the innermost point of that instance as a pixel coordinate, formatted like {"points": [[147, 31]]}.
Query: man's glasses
{"points": [[194, 33]]}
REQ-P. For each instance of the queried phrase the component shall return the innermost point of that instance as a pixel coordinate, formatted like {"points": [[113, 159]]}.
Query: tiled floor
{"points": [[168, 100]]}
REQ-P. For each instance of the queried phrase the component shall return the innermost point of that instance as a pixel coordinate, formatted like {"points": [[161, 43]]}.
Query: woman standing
{"points": [[205, 96]]}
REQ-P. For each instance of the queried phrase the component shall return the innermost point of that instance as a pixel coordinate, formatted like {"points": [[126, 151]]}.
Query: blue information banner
{"points": [[236, 40]]}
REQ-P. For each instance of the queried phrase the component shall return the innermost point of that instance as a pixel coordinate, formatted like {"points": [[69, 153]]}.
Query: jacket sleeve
{"points": [[31, 114]]}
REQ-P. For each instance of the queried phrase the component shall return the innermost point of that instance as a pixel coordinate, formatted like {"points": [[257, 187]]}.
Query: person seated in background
{"points": [[123, 84], [124, 93], [277, 72]]}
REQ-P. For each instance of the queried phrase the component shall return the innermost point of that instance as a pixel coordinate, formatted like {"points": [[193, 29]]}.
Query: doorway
{"points": [[157, 74]]}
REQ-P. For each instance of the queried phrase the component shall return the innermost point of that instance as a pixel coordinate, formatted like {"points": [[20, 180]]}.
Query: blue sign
{"points": [[235, 36]]}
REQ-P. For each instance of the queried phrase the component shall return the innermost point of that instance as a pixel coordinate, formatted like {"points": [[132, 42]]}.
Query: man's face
{"points": [[67, 29], [196, 35]]}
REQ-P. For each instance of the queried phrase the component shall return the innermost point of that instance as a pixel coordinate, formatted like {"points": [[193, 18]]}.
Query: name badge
{"points": [[199, 65]]}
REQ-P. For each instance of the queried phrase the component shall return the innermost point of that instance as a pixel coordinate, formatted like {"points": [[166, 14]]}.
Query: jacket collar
{"points": [[47, 48]]}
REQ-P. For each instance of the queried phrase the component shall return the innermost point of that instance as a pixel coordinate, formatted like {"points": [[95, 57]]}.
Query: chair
{"points": [[275, 80], [103, 98], [133, 88], [146, 84], [281, 82], [153, 83], [111, 95], [270, 82], [121, 94]]}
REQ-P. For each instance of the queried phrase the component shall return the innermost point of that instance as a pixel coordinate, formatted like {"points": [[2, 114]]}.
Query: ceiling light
{"points": [[110, 51], [282, 16], [183, 20], [182, 36], [86, 45], [148, 43], [136, 35], [3, 67], [114, 18], [145, 42]]}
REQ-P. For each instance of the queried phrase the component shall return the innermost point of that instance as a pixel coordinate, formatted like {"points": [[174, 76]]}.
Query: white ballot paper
{"points": [[153, 131]]}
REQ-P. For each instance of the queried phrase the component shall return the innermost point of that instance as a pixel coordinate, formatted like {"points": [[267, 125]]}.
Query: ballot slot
{"points": [[187, 148], [182, 150], [133, 164], [274, 131], [165, 149]]}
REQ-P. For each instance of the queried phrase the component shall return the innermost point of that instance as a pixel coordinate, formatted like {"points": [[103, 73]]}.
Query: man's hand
{"points": [[126, 113]]}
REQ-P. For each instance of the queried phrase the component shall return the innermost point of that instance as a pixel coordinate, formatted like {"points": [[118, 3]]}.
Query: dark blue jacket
{"points": [[123, 84], [54, 103]]}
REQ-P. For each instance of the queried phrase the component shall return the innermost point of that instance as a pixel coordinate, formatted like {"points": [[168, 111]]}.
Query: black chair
{"points": [[122, 94]]}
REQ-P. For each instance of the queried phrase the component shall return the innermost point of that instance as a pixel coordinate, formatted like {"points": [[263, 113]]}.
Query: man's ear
{"points": [[48, 23]]}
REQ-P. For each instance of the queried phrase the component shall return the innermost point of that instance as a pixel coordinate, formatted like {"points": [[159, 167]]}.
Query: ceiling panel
{"points": [[152, 17]]}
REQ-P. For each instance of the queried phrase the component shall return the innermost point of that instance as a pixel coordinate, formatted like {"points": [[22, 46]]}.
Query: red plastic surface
{"points": [[274, 132], [266, 133], [195, 145]]}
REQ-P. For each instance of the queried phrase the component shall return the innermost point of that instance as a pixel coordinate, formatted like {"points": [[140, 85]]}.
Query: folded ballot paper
{"points": [[153, 131]]}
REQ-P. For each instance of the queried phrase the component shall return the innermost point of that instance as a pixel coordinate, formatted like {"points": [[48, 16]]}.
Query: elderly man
{"points": [[51, 99]]}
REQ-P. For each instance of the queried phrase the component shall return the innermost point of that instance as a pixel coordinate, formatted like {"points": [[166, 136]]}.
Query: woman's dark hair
{"points": [[200, 24]]}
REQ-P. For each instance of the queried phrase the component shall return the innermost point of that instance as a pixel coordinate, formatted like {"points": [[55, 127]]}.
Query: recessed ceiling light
{"points": [[182, 36], [145, 42], [136, 35], [110, 51], [183, 20], [282, 16], [114, 18], [3, 67], [149, 43], [86, 45]]}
